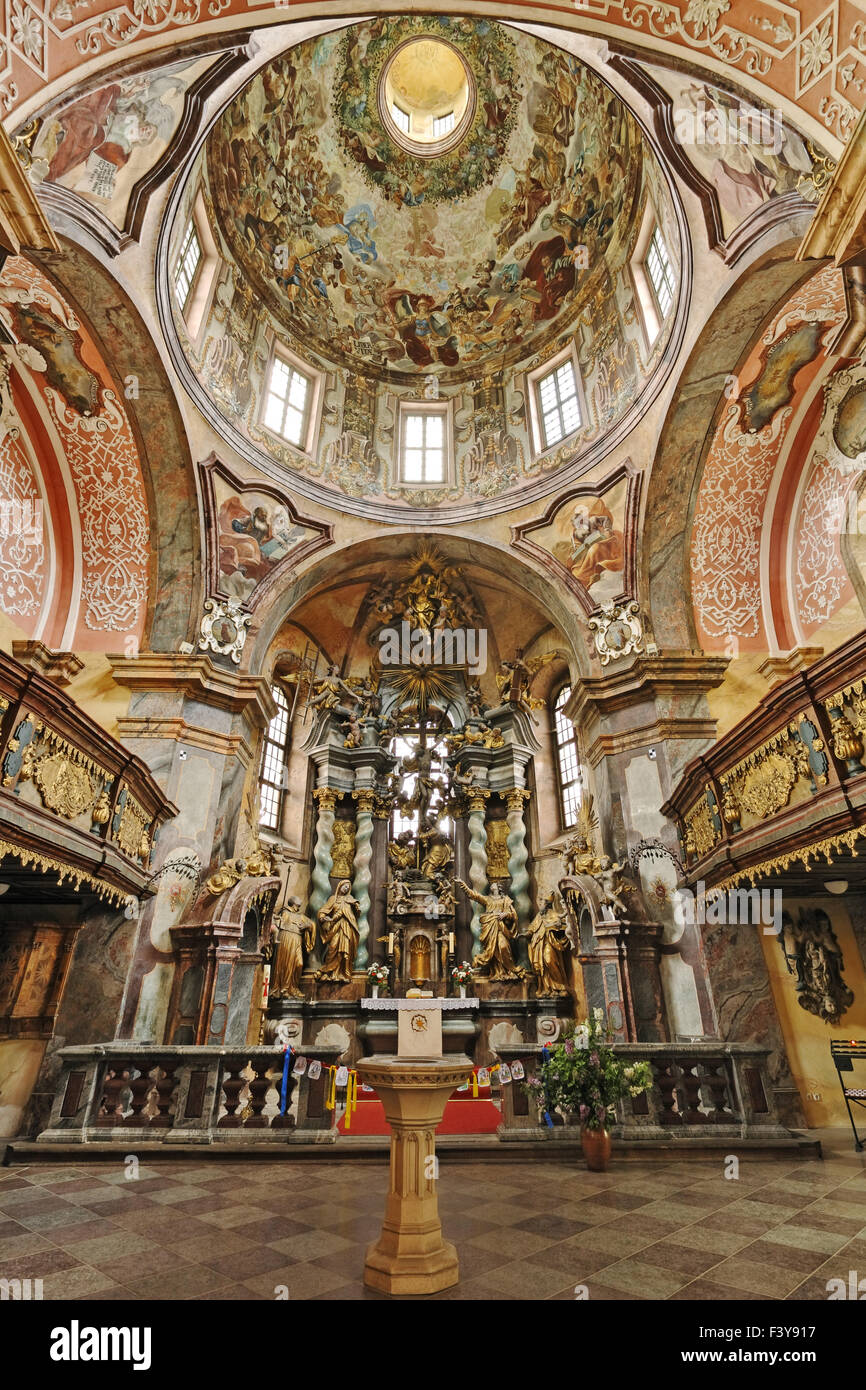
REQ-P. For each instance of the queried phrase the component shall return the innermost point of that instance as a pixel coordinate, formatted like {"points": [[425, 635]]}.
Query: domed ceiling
{"points": [[422, 207], [388, 257]]}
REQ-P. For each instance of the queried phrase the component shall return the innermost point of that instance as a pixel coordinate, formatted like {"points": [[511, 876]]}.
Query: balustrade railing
{"points": [[699, 1089], [115, 1092]]}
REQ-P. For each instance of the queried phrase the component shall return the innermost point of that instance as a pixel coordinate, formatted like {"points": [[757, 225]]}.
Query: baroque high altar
{"points": [[422, 858]]}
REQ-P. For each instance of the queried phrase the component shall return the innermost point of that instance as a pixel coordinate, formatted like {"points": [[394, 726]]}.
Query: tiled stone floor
{"points": [[529, 1230]]}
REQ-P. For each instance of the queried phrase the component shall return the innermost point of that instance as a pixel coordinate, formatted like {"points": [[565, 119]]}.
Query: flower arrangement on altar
{"points": [[581, 1075], [379, 977], [462, 974]]}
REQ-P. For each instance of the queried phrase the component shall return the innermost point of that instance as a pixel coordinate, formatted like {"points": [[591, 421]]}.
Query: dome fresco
{"points": [[396, 262], [429, 208]]}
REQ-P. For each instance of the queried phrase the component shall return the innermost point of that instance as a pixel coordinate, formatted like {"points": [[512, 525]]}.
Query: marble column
{"points": [[326, 799], [518, 855], [477, 858], [365, 800]]}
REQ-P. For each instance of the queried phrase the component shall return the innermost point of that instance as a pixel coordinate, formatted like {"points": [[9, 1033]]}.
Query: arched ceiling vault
{"points": [[679, 459], [505, 586], [175, 587]]}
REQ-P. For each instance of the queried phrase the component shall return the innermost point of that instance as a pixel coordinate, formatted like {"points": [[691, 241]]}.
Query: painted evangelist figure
{"points": [[365, 259], [586, 536], [100, 144], [255, 534]]}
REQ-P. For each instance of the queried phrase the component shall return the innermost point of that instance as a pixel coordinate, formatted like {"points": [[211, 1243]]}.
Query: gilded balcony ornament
{"points": [[131, 824], [101, 813], [730, 806], [64, 786], [767, 787], [701, 833], [847, 742]]}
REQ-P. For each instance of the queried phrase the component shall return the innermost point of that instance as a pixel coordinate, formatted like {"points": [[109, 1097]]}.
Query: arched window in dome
{"points": [[187, 265], [292, 399], [567, 761], [425, 446], [275, 753], [654, 275], [555, 403]]}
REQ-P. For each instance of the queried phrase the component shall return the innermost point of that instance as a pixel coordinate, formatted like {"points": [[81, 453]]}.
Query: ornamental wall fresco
{"points": [[728, 546], [86, 443]]}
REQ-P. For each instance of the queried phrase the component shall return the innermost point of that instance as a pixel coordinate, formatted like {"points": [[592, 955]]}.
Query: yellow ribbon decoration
{"points": [[474, 1085], [331, 1097], [351, 1097]]}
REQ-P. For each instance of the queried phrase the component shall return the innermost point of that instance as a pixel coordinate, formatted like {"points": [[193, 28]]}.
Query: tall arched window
{"points": [[275, 752], [567, 762]]}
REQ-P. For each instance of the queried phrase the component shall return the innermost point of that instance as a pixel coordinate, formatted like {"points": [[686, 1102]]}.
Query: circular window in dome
{"points": [[426, 97]]}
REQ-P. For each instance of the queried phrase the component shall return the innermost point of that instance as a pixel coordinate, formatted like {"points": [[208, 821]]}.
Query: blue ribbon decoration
{"points": [[284, 1089], [547, 1120]]}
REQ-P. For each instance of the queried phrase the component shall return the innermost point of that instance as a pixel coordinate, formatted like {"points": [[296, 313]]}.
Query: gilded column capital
{"points": [[381, 808], [515, 797], [477, 798], [326, 798], [366, 799]]}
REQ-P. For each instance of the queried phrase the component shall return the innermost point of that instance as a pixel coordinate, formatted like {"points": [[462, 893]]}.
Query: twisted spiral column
{"points": [[518, 855], [365, 800], [477, 858], [323, 860]]}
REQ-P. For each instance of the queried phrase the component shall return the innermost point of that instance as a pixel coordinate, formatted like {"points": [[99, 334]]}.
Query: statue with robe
{"points": [[338, 927], [292, 934], [498, 929], [547, 944]]}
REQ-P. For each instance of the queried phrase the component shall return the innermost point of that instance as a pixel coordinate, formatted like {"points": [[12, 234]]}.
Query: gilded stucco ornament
{"points": [[767, 788], [617, 631]]}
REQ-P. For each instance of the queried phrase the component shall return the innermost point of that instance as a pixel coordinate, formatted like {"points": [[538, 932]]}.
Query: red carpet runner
{"points": [[463, 1115]]}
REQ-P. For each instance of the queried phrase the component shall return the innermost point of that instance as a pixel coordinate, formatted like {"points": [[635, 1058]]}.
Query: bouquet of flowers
{"points": [[581, 1075], [378, 975], [462, 974]]}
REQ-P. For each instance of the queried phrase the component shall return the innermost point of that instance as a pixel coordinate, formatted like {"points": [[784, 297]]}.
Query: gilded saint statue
{"points": [[498, 929], [338, 928], [547, 943], [292, 934]]}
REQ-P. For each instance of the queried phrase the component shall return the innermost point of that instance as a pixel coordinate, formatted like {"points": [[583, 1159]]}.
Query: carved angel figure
{"points": [[610, 881], [579, 856]]}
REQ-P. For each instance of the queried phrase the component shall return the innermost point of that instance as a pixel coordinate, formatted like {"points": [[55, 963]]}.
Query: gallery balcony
{"points": [[784, 791], [76, 807]]}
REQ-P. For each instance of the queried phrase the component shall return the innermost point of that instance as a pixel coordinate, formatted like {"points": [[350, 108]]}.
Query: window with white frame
{"points": [[275, 751], [660, 271], [443, 125], [423, 454], [558, 403], [287, 400], [402, 119], [568, 766], [187, 264]]}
